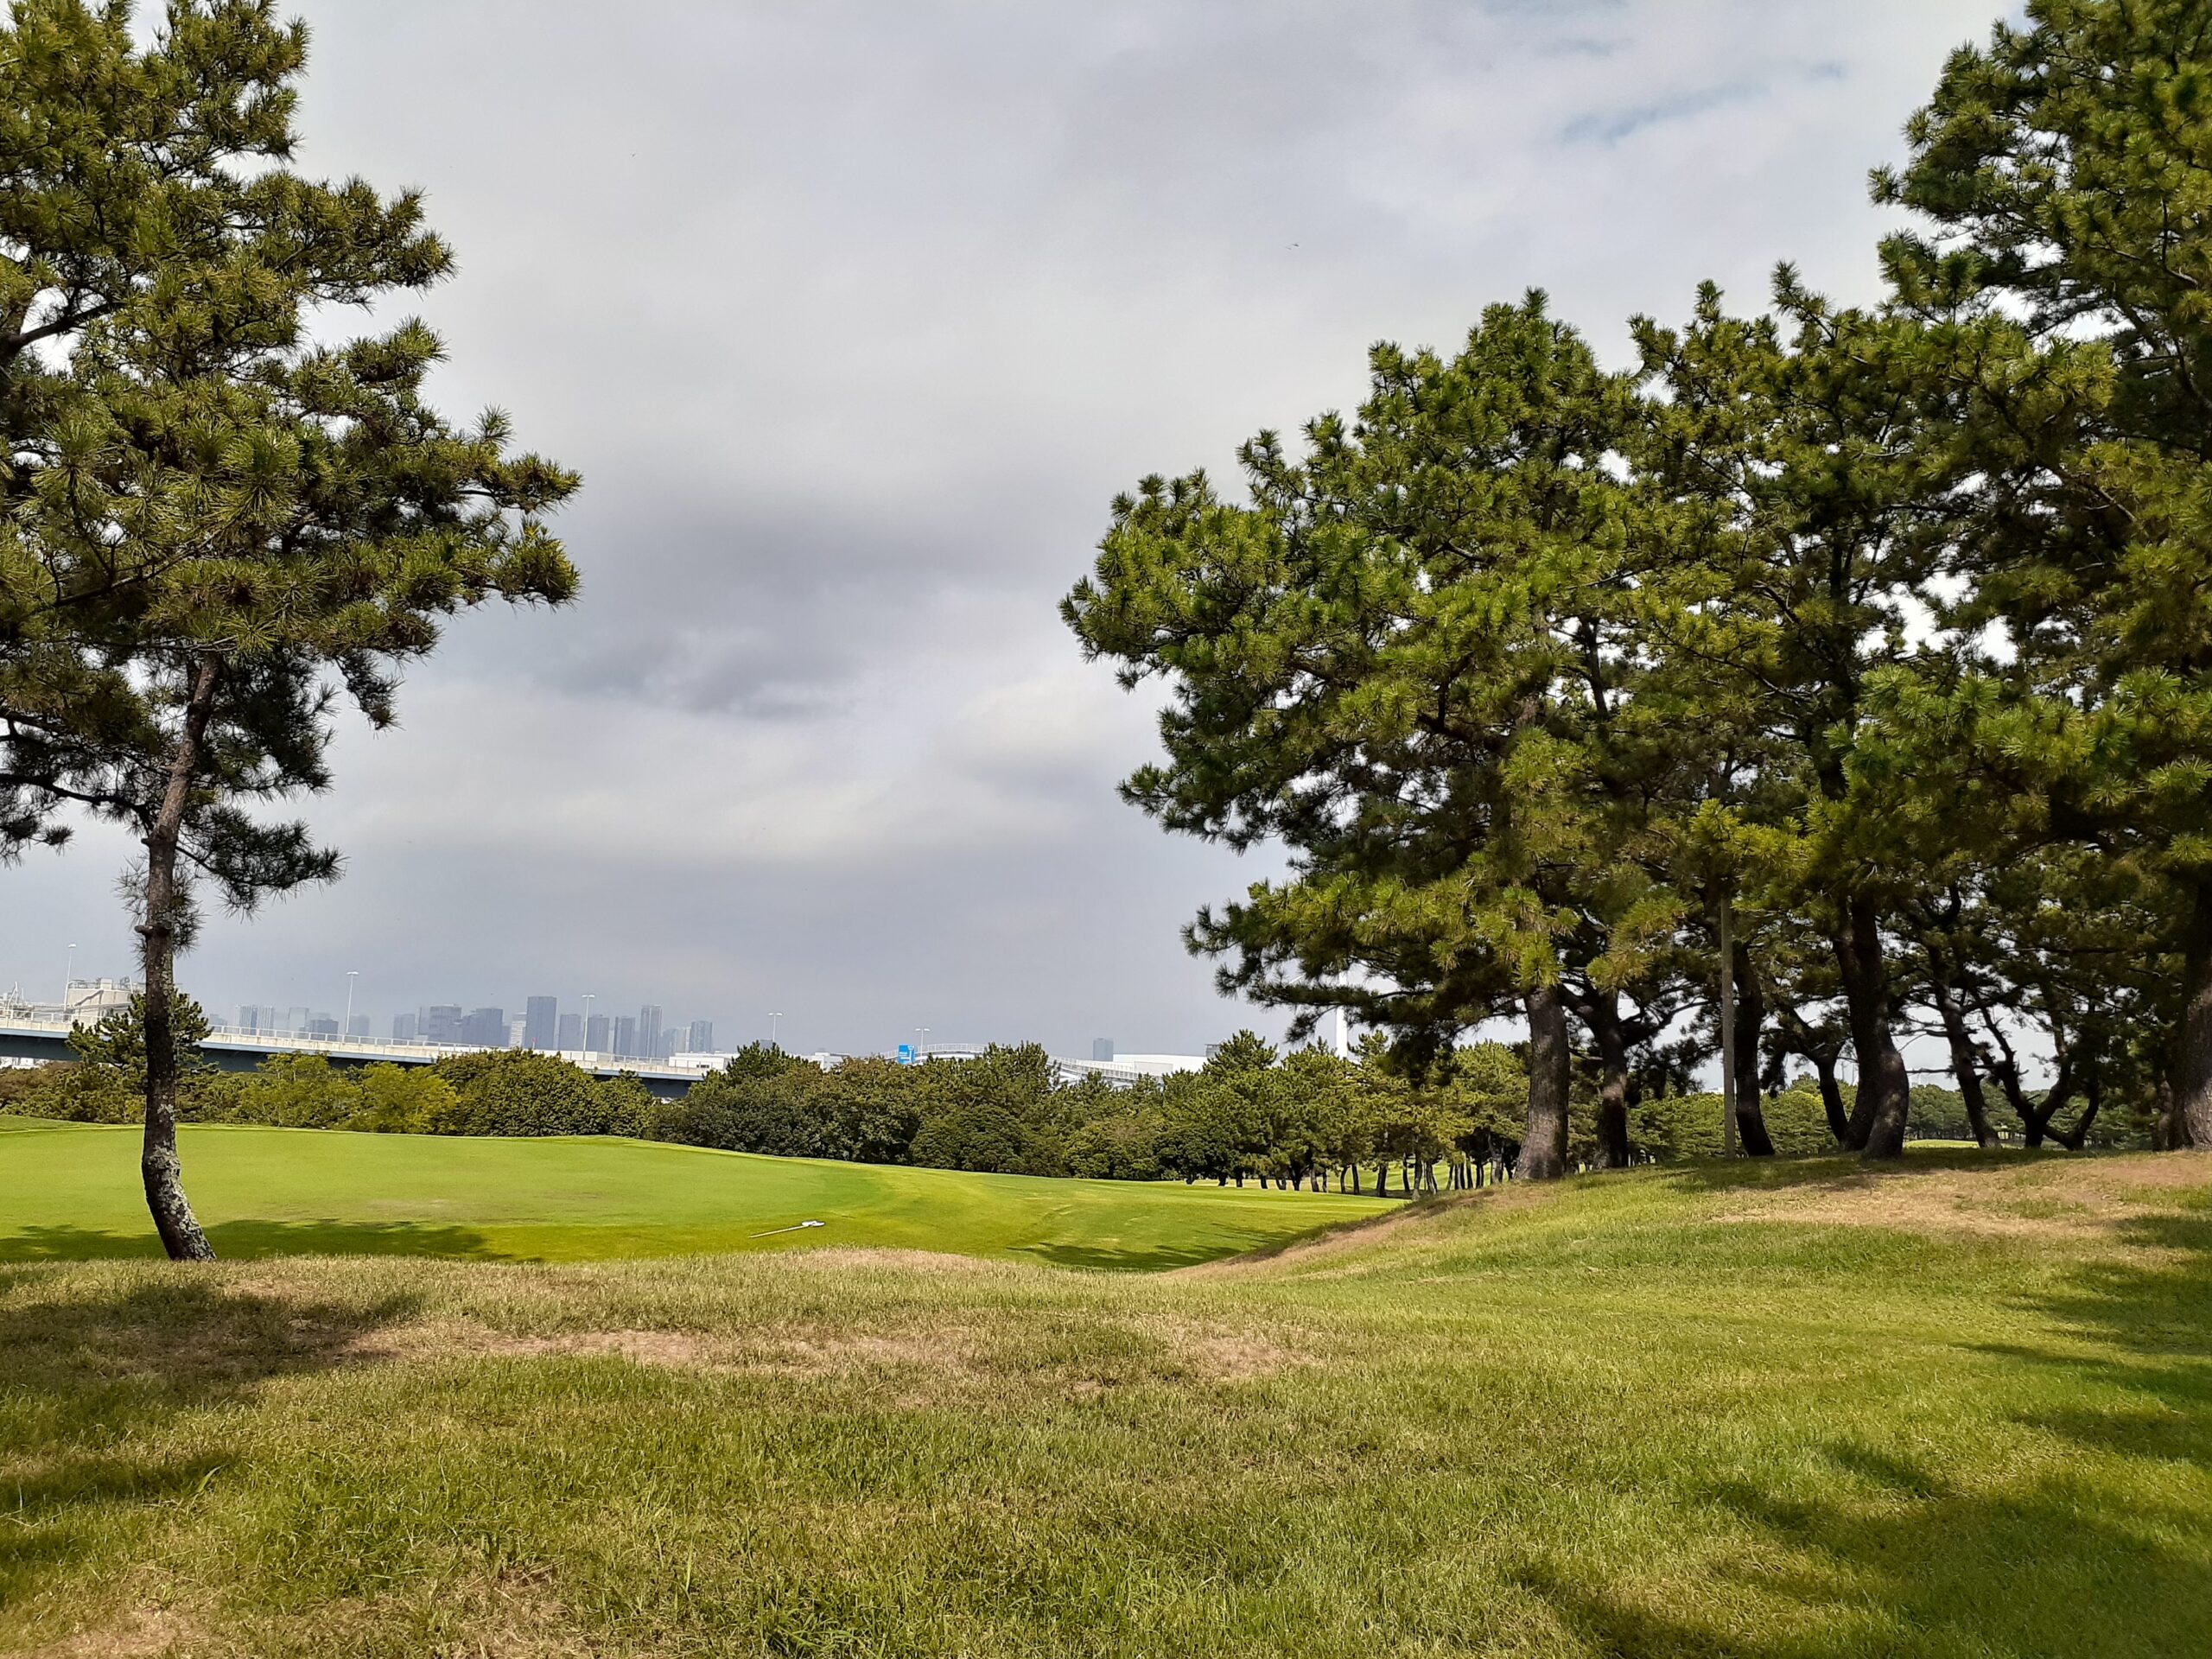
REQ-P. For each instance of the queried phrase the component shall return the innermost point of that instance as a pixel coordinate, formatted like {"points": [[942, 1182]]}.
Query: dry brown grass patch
{"points": [[1236, 1355], [144, 1633], [2140, 1173], [778, 1351], [953, 1350], [435, 1339], [2087, 1199], [929, 1261], [515, 1612]]}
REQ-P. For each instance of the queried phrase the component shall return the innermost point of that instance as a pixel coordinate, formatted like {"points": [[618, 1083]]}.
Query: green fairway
{"points": [[71, 1191]]}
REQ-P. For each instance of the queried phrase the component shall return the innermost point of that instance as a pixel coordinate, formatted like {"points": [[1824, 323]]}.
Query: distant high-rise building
{"points": [[1101, 1048], [571, 1036], [625, 1037], [518, 1032], [486, 1028], [257, 1017], [295, 1020], [403, 1027], [440, 1022], [358, 1026], [595, 1033], [701, 1040], [320, 1024], [540, 1019], [649, 1033]]}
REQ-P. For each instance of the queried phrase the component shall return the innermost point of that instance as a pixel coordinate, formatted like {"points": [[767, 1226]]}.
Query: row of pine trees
{"points": [[1856, 658]]}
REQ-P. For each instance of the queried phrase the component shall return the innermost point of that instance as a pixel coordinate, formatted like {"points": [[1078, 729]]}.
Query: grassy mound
{"points": [[72, 1193], [1963, 1409]]}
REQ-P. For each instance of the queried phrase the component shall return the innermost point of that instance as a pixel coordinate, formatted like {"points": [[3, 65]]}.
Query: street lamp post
{"points": [[68, 972], [922, 1048], [772, 1018], [347, 1030], [586, 1033]]}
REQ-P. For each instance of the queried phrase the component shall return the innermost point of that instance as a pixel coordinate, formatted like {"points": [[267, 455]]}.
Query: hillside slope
{"points": [[1795, 1412]]}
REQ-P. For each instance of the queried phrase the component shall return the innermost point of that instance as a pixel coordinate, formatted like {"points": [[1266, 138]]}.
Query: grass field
{"points": [[71, 1191], [1797, 1412]]}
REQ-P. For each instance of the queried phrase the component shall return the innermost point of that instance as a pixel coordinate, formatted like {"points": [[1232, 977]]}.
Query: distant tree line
{"points": [[1863, 655], [1307, 1119]]}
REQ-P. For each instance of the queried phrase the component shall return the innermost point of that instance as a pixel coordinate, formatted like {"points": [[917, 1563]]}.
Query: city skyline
{"points": [[542, 1023], [491, 1026], [574, 1031]]}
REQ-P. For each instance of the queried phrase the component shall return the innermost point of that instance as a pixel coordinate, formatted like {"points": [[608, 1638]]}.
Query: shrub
{"points": [[782, 1113], [71, 1092], [296, 1091], [401, 1099], [1688, 1126], [995, 1112], [629, 1107], [1120, 1145], [514, 1091]]}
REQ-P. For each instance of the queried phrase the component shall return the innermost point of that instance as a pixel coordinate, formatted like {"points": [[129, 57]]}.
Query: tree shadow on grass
{"points": [[1898, 1563], [2093, 1553], [245, 1241], [2146, 1320], [113, 1396]]}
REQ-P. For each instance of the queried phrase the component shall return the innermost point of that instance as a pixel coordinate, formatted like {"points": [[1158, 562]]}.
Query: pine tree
{"points": [[2063, 177], [235, 524], [1404, 660], [1802, 481]]}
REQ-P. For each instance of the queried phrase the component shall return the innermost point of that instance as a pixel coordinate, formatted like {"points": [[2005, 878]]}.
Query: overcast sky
{"points": [[854, 317]]}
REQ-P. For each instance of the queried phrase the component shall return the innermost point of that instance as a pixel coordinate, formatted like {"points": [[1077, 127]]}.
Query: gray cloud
{"points": [[855, 316]]}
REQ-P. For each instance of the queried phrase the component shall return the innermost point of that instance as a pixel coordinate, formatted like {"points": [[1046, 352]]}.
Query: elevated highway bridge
{"points": [[37, 1038]]}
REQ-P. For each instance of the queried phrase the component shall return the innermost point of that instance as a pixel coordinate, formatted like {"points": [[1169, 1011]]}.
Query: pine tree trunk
{"points": [[1612, 1080], [2193, 1084], [1751, 1014], [2035, 1115], [2034, 1118], [1544, 1152], [2168, 1132], [158, 1164], [1885, 1102], [1831, 1097], [1966, 1067], [2093, 1100]]}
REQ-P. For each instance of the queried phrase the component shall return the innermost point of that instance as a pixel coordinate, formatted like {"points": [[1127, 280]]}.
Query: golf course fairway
{"points": [[71, 1191]]}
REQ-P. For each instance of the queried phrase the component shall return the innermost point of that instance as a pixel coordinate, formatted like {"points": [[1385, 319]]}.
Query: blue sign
{"points": [[906, 1053]]}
